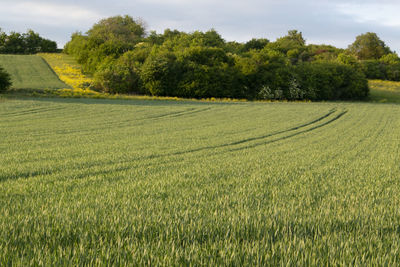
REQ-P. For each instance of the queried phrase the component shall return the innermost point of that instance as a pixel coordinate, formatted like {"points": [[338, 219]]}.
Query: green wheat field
{"points": [[136, 182], [30, 72]]}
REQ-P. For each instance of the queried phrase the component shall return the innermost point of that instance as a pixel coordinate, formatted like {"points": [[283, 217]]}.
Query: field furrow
{"points": [[168, 182]]}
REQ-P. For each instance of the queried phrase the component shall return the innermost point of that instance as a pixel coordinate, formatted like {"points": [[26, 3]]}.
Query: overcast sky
{"points": [[335, 22]]}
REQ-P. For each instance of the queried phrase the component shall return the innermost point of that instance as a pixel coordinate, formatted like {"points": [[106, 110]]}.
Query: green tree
{"points": [[5, 80], [331, 81], [207, 72], [322, 52], [292, 45], [293, 40], [124, 74], [390, 59], [369, 46], [110, 38], [254, 43], [160, 72], [348, 59], [265, 74], [15, 43], [124, 29], [3, 39]]}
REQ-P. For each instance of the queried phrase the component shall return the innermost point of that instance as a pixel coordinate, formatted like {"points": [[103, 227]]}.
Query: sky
{"points": [[335, 22]]}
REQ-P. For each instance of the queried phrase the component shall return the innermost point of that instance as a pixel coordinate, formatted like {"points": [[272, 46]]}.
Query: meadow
{"points": [[139, 182], [384, 91], [30, 72]]}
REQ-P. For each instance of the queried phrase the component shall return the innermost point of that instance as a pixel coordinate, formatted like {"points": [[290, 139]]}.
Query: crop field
{"points": [[118, 182], [30, 72]]}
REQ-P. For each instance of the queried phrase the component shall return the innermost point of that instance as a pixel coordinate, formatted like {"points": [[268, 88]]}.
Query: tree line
{"points": [[124, 59], [25, 43]]}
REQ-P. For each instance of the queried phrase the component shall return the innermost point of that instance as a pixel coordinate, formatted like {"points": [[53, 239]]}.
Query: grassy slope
{"points": [[385, 91], [30, 72], [169, 183]]}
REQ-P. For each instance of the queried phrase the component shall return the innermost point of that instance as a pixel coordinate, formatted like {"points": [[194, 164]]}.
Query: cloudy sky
{"points": [[335, 22]]}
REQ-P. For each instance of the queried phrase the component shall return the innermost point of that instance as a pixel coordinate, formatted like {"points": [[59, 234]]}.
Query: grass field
{"points": [[86, 181], [30, 72], [385, 91]]}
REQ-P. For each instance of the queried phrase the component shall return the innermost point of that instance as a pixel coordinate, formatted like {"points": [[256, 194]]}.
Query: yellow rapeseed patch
{"points": [[70, 73]]}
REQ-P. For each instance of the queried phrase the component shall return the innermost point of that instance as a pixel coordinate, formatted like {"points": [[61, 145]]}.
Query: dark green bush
{"points": [[160, 73], [207, 72], [373, 69], [331, 81], [5, 80]]}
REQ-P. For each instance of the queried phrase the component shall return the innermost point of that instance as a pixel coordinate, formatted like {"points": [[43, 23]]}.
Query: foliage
{"points": [[369, 46], [123, 29], [119, 77], [106, 40], [254, 43], [381, 69], [160, 72], [198, 64], [292, 45], [331, 81], [5, 80], [348, 59], [265, 71], [390, 59], [207, 72], [321, 53], [25, 43]]}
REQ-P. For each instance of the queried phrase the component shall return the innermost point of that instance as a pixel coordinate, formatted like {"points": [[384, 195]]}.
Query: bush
{"points": [[5, 80], [120, 76], [331, 81], [207, 72], [160, 73], [374, 69], [265, 74]]}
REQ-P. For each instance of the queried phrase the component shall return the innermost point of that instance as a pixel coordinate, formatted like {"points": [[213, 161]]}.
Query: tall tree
{"points": [[123, 29], [369, 46]]}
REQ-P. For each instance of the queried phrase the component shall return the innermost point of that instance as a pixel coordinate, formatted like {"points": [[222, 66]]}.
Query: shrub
{"points": [[374, 69], [331, 81], [160, 73], [119, 76], [5, 80], [207, 72]]}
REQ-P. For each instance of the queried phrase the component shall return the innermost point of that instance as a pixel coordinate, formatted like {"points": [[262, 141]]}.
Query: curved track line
{"points": [[156, 156], [292, 135], [31, 111]]}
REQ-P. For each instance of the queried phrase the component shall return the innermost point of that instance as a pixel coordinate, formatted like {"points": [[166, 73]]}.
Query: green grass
{"points": [[384, 91], [119, 182], [30, 72]]}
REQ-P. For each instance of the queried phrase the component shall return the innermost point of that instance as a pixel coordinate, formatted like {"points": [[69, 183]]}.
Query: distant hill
{"points": [[30, 72]]}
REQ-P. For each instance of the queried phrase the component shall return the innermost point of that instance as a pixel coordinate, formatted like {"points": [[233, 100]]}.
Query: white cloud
{"points": [[385, 14], [48, 14], [328, 21]]}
